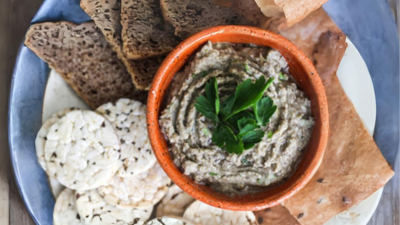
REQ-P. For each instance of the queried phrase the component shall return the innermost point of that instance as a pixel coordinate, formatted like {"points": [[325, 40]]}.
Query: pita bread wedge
{"points": [[294, 10], [106, 14], [84, 59], [275, 215], [353, 167]]}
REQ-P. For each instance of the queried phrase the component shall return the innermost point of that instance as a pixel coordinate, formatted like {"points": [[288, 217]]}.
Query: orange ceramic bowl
{"points": [[308, 80]]}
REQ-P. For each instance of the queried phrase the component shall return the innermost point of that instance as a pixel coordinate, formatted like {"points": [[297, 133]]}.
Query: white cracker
{"points": [[42, 134], [169, 221], [199, 212], [82, 150], [93, 210], [129, 120], [55, 186], [174, 202], [65, 212], [141, 191]]}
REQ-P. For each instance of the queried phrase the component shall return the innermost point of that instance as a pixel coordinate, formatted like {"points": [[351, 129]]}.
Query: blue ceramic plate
{"points": [[374, 35]]}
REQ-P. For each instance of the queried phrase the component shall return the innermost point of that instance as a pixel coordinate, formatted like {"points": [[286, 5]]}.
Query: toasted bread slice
{"points": [[85, 60], [144, 31], [107, 15], [191, 16]]}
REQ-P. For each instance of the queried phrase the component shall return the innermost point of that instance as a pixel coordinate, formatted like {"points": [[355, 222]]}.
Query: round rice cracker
{"points": [[174, 202], [129, 120], [42, 134], [82, 150], [170, 221], [141, 191], [65, 212], [202, 213], [93, 210]]}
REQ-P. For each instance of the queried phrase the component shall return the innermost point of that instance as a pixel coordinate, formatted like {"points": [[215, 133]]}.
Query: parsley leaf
{"points": [[233, 121], [212, 93], [263, 110], [247, 94], [209, 105], [246, 125], [224, 138], [251, 138]]}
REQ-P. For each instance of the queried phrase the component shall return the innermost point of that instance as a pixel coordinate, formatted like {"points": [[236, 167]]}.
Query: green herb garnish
{"points": [[281, 76], [270, 134], [213, 174], [209, 104], [236, 127], [246, 67]]}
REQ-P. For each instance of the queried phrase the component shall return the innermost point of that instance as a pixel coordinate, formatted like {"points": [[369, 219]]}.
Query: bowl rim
{"points": [[157, 138]]}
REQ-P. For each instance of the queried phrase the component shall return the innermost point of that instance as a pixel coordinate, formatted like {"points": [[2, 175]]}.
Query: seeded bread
{"points": [[191, 16], [85, 60], [107, 15], [144, 31]]}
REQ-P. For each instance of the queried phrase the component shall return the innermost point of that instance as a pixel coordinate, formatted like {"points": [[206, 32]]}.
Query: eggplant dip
{"points": [[235, 118]]}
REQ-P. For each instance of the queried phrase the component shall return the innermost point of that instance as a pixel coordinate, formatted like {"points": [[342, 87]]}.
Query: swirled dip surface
{"points": [[190, 134]]}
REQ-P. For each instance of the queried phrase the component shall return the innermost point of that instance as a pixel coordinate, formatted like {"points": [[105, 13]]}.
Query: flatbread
{"points": [[353, 167], [141, 191], [84, 59], [353, 164], [278, 215], [93, 210], [82, 150], [128, 117], [42, 134], [107, 16], [174, 202], [202, 213], [65, 212], [294, 10]]}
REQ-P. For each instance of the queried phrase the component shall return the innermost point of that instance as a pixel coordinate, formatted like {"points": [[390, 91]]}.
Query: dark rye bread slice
{"points": [[85, 60], [191, 16], [107, 16], [144, 31]]}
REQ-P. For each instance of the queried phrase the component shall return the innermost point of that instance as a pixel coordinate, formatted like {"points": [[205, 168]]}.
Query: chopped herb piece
{"points": [[270, 134], [246, 67], [213, 174], [206, 131], [281, 76]]}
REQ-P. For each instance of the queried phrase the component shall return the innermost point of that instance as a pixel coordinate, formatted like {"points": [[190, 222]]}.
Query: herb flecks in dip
{"points": [[190, 133]]}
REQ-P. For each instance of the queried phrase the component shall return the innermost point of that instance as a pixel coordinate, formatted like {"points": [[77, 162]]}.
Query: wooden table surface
{"points": [[15, 16]]}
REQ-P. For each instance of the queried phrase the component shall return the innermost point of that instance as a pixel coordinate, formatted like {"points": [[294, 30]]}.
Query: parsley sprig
{"points": [[236, 127]]}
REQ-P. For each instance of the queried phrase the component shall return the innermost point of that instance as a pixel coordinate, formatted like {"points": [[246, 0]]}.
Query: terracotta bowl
{"points": [[308, 80]]}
